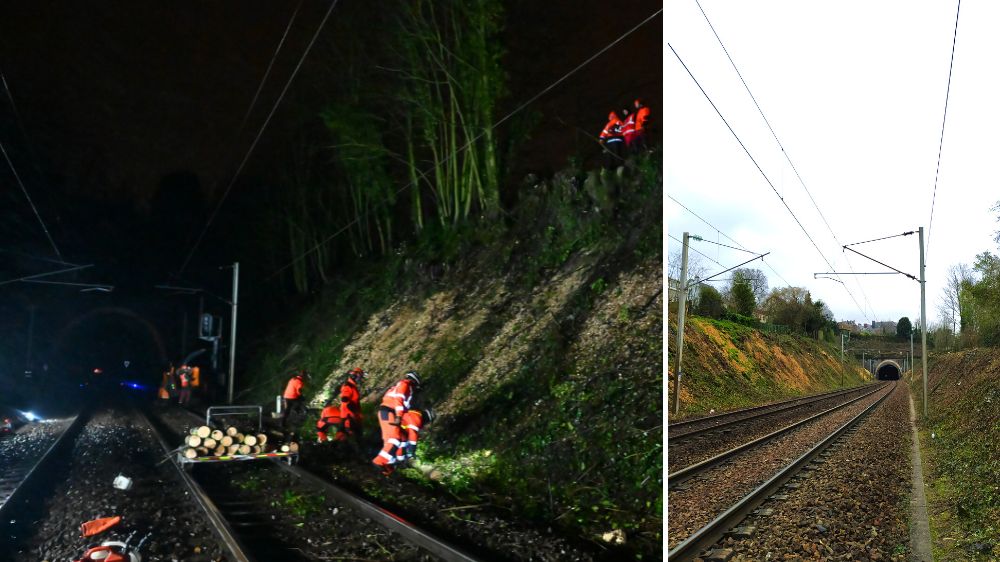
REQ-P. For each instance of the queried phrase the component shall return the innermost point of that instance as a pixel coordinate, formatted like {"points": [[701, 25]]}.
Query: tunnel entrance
{"points": [[888, 371]]}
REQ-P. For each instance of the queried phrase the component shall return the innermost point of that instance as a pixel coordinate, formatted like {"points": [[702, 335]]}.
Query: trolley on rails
{"points": [[290, 457]]}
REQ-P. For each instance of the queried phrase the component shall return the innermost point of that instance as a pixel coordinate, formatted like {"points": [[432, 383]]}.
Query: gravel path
{"points": [[684, 453], [112, 443], [852, 507], [709, 494]]}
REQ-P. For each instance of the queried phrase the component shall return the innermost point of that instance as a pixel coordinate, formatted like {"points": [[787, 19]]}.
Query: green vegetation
{"points": [[962, 483], [303, 505], [730, 364], [539, 338]]}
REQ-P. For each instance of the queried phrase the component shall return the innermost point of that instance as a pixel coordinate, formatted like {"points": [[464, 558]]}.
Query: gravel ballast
{"points": [[853, 506], [709, 494], [112, 442]]}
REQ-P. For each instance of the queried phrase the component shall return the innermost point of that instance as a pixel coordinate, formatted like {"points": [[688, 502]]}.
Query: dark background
{"points": [[125, 128]]}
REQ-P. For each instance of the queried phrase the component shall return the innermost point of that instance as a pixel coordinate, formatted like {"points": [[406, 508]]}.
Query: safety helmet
{"points": [[357, 374], [412, 375], [429, 415], [612, 115]]}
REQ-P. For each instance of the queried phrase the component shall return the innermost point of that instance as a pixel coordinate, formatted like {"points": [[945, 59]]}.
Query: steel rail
{"points": [[7, 505], [685, 423], [387, 519], [711, 533], [789, 405], [691, 470], [218, 522]]}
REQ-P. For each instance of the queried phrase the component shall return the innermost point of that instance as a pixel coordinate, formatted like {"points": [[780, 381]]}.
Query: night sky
{"points": [[126, 128]]}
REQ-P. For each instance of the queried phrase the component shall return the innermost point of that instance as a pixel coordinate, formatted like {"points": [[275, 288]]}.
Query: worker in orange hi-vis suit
{"points": [[350, 402], [329, 421], [395, 403], [294, 400], [642, 119], [612, 140]]}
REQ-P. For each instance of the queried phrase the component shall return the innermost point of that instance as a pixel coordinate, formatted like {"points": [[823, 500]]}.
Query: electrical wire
{"points": [[730, 238], [767, 179], [944, 118], [784, 152], [30, 202], [452, 154], [256, 139]]}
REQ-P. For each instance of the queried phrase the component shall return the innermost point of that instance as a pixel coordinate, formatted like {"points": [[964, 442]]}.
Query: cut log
{"points": [[238, 438], [217, 434], [233, 449], [293, 447], [226, 440], [285, 449], [261, 439], [249, 440], [245, 449], [210, 443], [220, 450], [202, 452], [202, 431], [193, 441], [256, 449], [190, 453], [232, 431]]}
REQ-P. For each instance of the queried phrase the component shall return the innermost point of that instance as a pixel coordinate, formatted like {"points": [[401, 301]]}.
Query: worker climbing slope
{"points": [[350, 403]]}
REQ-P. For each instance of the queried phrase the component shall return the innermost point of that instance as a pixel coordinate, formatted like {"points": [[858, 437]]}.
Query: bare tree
{"points": [[951, 300]]}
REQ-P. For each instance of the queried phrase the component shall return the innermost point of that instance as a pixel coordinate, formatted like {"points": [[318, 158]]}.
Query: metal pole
{"points": [[681, 303], [31, 337], [923, 319], [911, 352], [841, 347], [232, 330]]}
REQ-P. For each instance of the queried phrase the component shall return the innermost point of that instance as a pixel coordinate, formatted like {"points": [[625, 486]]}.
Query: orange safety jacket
{"points": [[398, 397], [329, 416], [350, 400], [195, 376], [641, 116], [613, 130], [293, 390], [628, 127]]}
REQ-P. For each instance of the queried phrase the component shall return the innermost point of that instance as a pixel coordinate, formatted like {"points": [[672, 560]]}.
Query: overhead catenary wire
{"points": [[783, 151], [24, 190], [256, 139], [766, 178], [728, 237], [451, 155], [944, 118]]}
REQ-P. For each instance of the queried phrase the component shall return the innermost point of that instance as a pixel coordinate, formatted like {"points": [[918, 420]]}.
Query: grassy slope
{"points": [[540, 345], [728, 366], [963, 465]]}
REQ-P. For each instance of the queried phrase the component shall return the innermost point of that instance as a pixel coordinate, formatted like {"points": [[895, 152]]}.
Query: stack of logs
{"points": [[205, 441]]}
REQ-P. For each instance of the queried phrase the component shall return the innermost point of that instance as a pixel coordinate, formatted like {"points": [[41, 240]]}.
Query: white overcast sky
{"points": [[855, 92]]}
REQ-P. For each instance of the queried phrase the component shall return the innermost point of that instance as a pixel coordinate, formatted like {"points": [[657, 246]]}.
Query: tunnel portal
{"points": [[888, 370]]}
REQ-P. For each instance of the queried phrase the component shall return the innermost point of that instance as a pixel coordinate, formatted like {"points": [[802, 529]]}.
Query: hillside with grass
{"points": [[728, 365], [539, 340], [959, 450]]}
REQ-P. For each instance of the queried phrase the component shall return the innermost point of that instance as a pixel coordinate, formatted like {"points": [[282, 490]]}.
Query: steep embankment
{"points": [[961, 460], [540, 345], [728, 365]]}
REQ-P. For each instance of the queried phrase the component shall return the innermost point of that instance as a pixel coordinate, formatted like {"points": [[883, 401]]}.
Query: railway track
{"points": [[692, 469], [695, 544], [686, 429], [246, 525], [19, 477]]}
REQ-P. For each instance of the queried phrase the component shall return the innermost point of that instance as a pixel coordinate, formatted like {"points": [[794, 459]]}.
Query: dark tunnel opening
{"points": [[887, 371]]}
